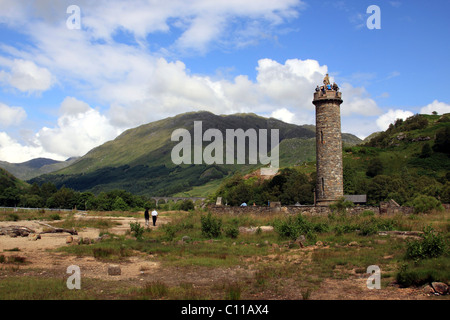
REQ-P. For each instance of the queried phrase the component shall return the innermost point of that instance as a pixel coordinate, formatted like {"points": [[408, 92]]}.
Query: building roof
{"points": [[356, 198]]}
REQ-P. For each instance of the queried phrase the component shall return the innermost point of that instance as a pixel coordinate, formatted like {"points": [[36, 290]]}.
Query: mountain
{"points": [[139, 160], [35, 167]]}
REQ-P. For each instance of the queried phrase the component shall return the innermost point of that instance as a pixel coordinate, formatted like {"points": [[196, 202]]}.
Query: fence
{"points": [[15, 209]]}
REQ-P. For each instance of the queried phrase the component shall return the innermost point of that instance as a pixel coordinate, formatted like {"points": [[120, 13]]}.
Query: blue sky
{"points": [[64, 92]]}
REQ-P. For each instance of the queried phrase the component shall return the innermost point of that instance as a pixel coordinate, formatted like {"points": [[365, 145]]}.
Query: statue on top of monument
{"points": [[326, 80]]}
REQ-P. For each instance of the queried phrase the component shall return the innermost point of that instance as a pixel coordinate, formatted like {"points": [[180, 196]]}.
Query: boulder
{"points": [[440, 287], [69, 239], [427, 289]]}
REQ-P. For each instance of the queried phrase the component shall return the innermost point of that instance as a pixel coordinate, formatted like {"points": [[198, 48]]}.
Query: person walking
{"points": [[154, 216], [147, 217]]}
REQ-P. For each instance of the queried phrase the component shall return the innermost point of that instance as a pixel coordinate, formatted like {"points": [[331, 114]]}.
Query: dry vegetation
{"points": [[252, 257]]}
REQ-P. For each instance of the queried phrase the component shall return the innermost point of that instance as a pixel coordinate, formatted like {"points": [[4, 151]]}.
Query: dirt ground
{"points": [[142, 268]]}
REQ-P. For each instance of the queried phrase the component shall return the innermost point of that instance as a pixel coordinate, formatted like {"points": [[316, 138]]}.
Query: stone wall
{"points": [[308, 210]]}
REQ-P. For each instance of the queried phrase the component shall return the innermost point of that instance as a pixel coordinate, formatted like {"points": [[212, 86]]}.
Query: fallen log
{"points": [[57, 230], [16, 231]]}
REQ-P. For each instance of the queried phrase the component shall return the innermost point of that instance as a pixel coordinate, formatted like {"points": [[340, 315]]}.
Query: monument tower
{"points": [[329, 184]]}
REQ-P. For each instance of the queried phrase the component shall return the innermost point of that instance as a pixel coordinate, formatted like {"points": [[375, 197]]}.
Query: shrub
{"points": [[211, 226], [293, 227], [368, 228], [232, 231], [137, 230], [55, 216], [423, 272], [425, 204], [170, 231], [432, 245], [407, 278]]}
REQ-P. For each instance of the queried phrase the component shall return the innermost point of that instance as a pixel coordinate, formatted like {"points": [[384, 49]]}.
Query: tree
{"points": [[64, 198], [445, 193], [119, 204], [381, 187], [442, 141], [187, 205], [426, 151], [374, 168]]}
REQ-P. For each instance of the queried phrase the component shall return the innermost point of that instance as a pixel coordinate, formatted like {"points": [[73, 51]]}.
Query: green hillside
{"points": [[409, 163], [139, 160]]}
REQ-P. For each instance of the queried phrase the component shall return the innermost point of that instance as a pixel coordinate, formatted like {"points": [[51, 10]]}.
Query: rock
{"points": [[275, 246], [76, 241], [427, 289], [86, 240], [185, 238], [440, 287], [114, 270], [319, 243], [69, 239], [353, 244]]}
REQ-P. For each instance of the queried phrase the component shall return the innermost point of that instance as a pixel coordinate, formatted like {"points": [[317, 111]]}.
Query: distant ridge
{"points": [[35, 167]]}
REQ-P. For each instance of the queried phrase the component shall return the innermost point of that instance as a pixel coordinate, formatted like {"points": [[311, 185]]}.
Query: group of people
{"points": [[327, 85], [147, 217]]}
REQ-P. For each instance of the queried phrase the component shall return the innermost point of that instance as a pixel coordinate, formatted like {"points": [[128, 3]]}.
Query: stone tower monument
{"points": [[329, 184]]}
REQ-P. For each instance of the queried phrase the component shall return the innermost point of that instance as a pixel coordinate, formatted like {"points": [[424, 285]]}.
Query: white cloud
{"points": [[283, 115], [15, 152], [439, 107], [79, 129], [10, 116], [76, 132], [137, 85], [26, 76], [198, 22], [389, 117], [357, 101]]}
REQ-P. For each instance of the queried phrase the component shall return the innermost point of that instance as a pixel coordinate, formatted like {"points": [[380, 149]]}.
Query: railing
{"points": [[33, 209]]}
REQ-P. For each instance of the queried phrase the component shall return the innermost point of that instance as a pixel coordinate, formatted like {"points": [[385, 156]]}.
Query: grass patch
{"points": [[31, 288]]}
